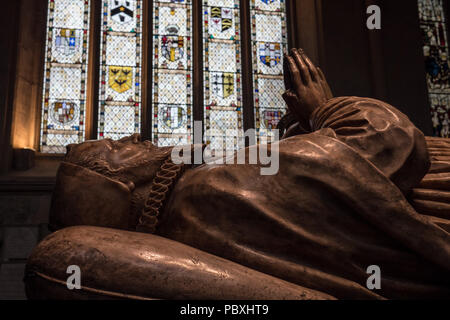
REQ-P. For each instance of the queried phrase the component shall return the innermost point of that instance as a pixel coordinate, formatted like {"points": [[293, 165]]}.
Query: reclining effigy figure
{"points": [[350, 193]]}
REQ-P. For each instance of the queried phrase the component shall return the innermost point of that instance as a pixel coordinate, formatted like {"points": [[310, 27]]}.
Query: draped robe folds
{"points": [[337, 206]]}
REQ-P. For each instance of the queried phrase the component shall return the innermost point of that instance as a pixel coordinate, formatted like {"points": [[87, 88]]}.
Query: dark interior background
{"points": [[386, 64]]}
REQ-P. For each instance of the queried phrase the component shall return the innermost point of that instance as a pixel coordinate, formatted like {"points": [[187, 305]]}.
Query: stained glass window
{"points": [[222, 74], [435, 49], [65, 69], [171, 61], [269, 40], [120, 69], [172, 72]]}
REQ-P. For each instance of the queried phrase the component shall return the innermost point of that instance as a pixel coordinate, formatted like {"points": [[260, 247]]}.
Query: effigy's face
{"points": [[127, 151], [138, 158]]}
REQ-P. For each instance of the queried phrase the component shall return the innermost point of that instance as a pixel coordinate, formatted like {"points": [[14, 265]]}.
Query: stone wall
{"points": [[29, 73], [24, 219], [24, 211]]}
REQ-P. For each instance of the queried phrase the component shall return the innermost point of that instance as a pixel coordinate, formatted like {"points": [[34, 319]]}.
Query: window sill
{"points": [[40, 178]]}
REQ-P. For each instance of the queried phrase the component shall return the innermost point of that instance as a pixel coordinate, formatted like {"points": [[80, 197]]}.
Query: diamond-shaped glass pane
{"points": [[119, 119]]}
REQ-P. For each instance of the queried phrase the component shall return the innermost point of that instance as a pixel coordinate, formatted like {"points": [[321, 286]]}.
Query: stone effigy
{"points": [[350, 193]]}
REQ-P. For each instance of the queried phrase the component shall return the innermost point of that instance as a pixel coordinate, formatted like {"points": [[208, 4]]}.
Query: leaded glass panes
{"points": [[435, 49], [269, 40], [120, 74], [172, 72], [65, 70], [222, 74], [120, 69]]}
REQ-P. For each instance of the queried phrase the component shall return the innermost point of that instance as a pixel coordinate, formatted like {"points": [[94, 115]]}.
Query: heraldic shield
{"points": [[67, 41], [269, 1], [221, 18], [64, 112], [172, 47], [122, 10], [222, 84], [173, 116], [270, 54], [120, 78]]}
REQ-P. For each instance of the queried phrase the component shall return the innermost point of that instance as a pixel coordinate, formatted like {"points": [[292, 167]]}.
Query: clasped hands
{"points": [[306, 86]]}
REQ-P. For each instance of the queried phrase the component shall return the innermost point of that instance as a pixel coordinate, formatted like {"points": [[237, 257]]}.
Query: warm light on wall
{"points": [[21, 143], [28, 81], [24, 115]]}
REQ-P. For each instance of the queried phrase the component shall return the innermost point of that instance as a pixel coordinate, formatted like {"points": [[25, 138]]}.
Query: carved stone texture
{"points": [[339, 203]]}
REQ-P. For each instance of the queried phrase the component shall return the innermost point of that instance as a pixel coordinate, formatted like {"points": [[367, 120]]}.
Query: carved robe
{"points": [[337, 206]]}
